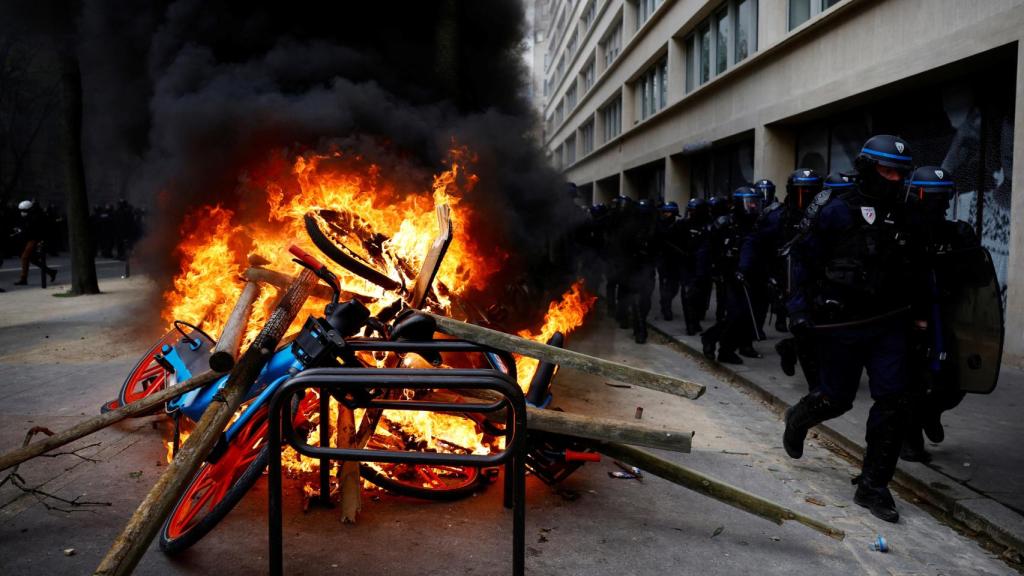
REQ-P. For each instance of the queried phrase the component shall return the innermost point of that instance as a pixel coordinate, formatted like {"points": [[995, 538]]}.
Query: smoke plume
{"points": [[184, 97]]}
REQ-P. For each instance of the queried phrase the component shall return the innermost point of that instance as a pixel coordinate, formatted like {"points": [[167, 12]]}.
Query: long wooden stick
{"points": [[591, 428], [567, 358], [96, 423], [282, 281], [133, 541], [607, 429], [226, 350], [708, 486]]}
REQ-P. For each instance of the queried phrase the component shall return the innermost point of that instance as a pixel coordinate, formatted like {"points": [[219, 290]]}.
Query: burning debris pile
{"points": [[387, 233]]}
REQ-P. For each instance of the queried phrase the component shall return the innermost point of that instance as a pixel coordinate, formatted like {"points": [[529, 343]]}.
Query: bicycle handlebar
{"points": [[305, 257]]}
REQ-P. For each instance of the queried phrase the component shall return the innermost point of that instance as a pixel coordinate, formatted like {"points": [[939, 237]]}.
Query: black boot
{"points": [[748, 351], [878, 500], [885, 432], [787, 355], [693, 329], [666, 313], [932, 425], [52, 273], [810, 411], [709, 343], [780, 324], [729, 357], [913, 447]]}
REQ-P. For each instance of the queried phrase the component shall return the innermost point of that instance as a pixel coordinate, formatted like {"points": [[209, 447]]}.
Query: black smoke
{"points": [[183, 97]]}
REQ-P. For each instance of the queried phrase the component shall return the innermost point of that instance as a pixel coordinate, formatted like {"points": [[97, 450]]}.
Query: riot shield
{"points": [[973, 316]]}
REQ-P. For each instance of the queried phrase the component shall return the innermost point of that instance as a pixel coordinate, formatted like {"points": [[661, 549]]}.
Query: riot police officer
{"points": [[669, 240], [780, 226], [854, 274], [695, 274], [615, 242], [932, 370], [735, 331], [590, 242], [719, 206], [639, 239]]}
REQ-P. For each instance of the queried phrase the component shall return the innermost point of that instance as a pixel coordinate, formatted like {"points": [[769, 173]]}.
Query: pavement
{"points": [[976, 474], [60, 358], [10, 271]]}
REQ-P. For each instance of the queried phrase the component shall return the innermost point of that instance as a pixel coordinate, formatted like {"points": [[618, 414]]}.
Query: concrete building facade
{"points": [[673, 99]]}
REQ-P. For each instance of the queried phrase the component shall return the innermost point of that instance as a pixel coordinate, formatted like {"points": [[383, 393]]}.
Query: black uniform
{"points": [[638, 237], [695, 266], [669, 241], [932, 375], [855, 270]]}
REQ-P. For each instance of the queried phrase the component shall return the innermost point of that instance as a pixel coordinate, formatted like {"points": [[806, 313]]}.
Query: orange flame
{"points": [[217, 243], [564, 315]]}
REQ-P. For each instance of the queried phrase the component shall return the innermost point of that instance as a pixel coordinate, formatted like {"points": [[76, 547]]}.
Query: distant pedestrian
{"points": [[31, 230]]}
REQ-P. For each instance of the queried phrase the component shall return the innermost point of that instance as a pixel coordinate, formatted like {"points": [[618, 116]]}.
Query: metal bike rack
{"points": [[355, 380]]}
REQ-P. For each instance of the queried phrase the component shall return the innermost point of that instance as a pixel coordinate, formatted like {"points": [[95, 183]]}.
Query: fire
{"points": [[217, 244], [563, 315]]}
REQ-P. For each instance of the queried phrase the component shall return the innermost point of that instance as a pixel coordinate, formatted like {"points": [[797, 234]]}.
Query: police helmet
{"points": [[747, 200], [669, 208], [644, 205], [840, 181], [718, 205], [801, 186], [932, 187], [25, 205], [767, 190], [696, 203], [598, 210], [884, 163]]}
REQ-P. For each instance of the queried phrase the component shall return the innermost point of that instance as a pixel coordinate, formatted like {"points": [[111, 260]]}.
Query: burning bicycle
{"points": [[240, 456]]}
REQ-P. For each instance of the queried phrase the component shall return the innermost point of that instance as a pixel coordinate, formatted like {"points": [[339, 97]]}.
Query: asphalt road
{"points": [[60, 358]]}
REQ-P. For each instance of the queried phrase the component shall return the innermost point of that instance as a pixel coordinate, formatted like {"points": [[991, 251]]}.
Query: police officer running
{"points": [[854, 277], [932, 367]]}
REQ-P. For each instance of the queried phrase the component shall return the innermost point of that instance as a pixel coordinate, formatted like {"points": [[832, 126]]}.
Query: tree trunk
{"points": [[80, 242]]}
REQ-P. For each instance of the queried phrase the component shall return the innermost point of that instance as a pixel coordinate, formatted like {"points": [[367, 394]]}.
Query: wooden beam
{"points": [[96, 423], [607, 429], [712, 488], [568, 358], [226, 350]]}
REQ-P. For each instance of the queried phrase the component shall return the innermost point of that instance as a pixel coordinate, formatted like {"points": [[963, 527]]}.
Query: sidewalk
{"points": [[976, 475]]}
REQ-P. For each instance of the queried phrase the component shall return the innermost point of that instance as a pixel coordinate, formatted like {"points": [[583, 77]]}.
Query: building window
{"points": [[587, 75], [644, 9], [587, 18], [744, 26], [720, 41], [705, 53], [570, 98], [587, 137], [611, 116], [570, 48], [560, 69], [801, 11], [569, 148], [559, 114], [652, 90], [611, 45]]}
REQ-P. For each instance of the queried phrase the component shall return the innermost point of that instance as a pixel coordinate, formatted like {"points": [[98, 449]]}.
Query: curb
{"points": [[972, 509]]}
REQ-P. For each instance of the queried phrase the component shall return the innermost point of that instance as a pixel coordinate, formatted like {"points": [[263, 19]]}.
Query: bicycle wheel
{"points": [[218, 487], [147, 377], [427, 482]]}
